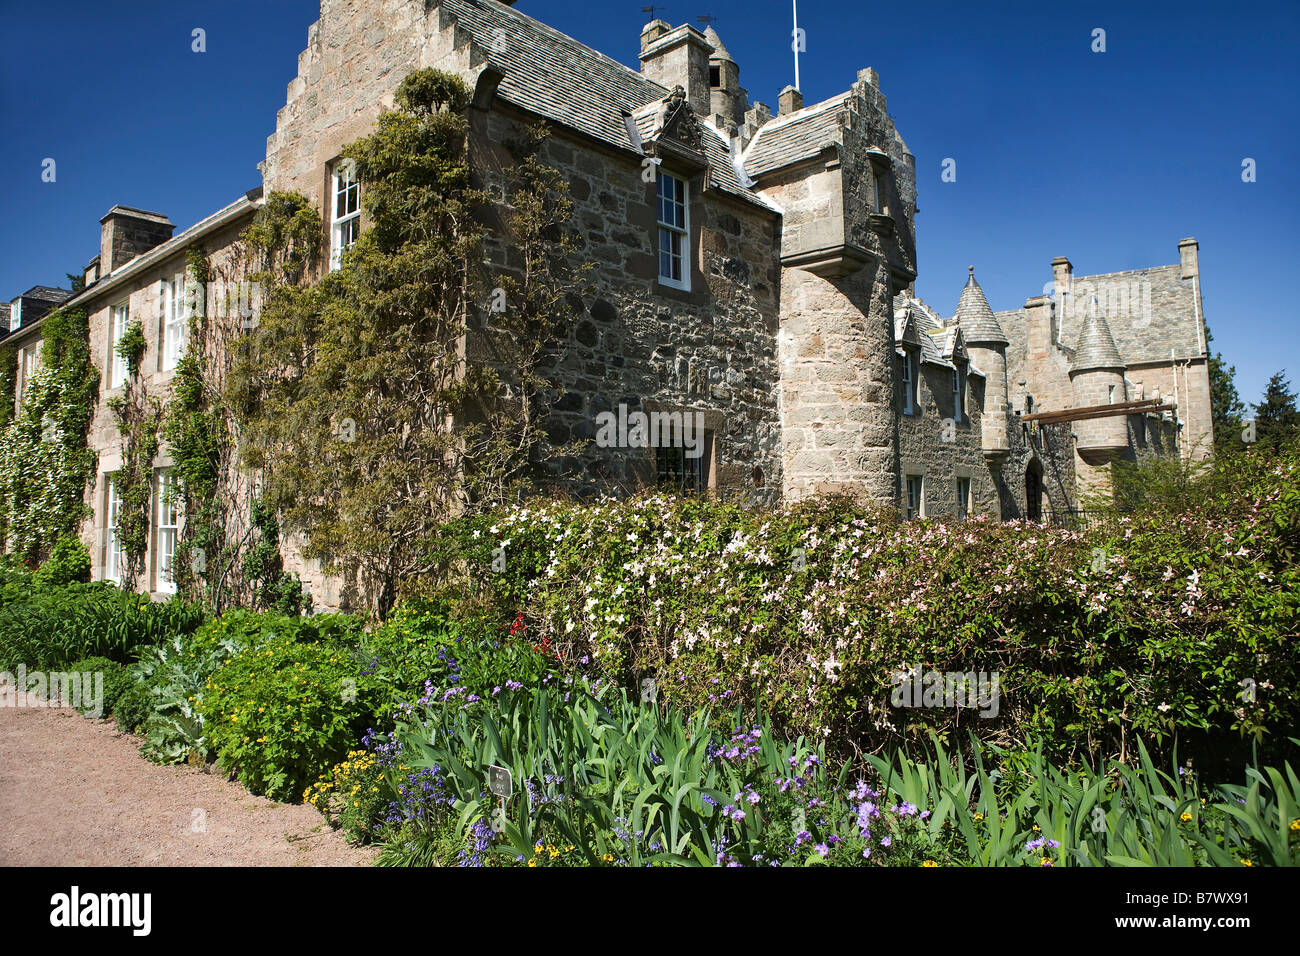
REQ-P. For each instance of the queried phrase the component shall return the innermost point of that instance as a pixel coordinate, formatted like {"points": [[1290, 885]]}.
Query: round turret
{"points": [[1097, 377]]}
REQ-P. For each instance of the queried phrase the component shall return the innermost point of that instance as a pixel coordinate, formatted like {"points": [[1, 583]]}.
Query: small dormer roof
{"points": [[975, 317], [1096, 348]]}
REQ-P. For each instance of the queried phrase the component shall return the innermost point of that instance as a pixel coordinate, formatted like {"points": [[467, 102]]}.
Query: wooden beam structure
{"points": [[1142, 407]]}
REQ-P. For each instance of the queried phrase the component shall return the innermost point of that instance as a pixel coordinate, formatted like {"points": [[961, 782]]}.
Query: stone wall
{"points": [[144, 294], [935, 446], [649, 347]]}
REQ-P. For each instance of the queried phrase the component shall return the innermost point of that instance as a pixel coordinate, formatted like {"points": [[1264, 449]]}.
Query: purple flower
{"points": [[822, 850], [886, 841]]}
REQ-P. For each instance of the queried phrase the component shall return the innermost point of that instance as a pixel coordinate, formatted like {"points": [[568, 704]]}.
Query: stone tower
{"points": [[987, 344], [726, 99], [1097, 378]]}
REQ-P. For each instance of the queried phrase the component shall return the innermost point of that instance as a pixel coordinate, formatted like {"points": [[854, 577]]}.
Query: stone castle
{"points": [[762, 277]]}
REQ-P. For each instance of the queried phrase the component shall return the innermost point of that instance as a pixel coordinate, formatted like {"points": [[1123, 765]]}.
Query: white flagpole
{"points": [[796, 42]]}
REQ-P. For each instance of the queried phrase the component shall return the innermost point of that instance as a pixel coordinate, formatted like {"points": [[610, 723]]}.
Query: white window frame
{"points": [[112, 544], [176, 322], [29, 363], [958, 393], [680, 233], [167, 529], [16, 316], [963, 498], [914, 509], [345, 227], [911, 372], [119, 316]]}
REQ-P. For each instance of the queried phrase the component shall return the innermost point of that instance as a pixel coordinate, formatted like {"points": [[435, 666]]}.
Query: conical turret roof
{"points": [[1096, 348], [719, 50], [976, 319]]}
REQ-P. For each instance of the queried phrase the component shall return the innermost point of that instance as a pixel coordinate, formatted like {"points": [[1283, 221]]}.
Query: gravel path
{"points": [[76, 792]]}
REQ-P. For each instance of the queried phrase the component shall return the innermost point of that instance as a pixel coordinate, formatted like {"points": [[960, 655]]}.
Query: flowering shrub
{"points": [[421, 646], [355, 793], [280, 713], [1149, 628]]}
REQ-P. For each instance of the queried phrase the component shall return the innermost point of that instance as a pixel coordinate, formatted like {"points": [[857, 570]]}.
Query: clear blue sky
{"points": [[1107, 158]]}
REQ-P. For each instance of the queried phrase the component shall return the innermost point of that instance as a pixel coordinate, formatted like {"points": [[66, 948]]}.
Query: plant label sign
{"points": [[500, 782]]}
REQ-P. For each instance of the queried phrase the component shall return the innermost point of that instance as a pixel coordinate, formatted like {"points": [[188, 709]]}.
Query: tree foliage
{"points": [[1226, 409], [1276, 416]]}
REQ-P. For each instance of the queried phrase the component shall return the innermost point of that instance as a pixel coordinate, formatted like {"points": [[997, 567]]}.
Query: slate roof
{"points": [[974, 316], [45, 293], [1096, 348], [557, 77], [931, 350], [796, 136]]}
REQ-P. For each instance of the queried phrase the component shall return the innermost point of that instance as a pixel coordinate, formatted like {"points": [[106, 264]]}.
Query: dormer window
{"points": [[346, 214], [16, 316], [674, 232]]}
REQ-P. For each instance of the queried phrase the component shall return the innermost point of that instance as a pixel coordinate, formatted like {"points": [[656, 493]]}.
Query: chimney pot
{"points": [[791, 100]]}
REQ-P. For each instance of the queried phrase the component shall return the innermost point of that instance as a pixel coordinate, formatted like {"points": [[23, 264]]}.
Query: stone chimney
{"points": [[791, 100], [1188, 257], [1061, 272], [678, 57], [126, 233]]}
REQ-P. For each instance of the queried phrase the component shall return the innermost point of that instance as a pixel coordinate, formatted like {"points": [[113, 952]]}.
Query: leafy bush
{"points": [[357, 793], [172, 676], [48, 627], [433, 646], [68, 562], [117, 679], [280, 713]]}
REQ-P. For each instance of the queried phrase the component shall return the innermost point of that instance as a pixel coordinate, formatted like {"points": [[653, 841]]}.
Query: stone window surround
{"points": [[911, 472], [911, 375], [714, 421], [963, 502]]}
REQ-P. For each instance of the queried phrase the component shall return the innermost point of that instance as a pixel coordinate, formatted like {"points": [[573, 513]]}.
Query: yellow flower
{"points": [[1185, 817], [929, 863], [1295, 824], [978, 817], [608, 858], [1247, 863], [532, 862]]}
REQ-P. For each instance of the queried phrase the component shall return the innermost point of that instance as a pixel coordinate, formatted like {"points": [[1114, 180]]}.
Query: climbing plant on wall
{"points": [[201, 431], [138, 416], [369, 423], [8, 382], [45, 464]]}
